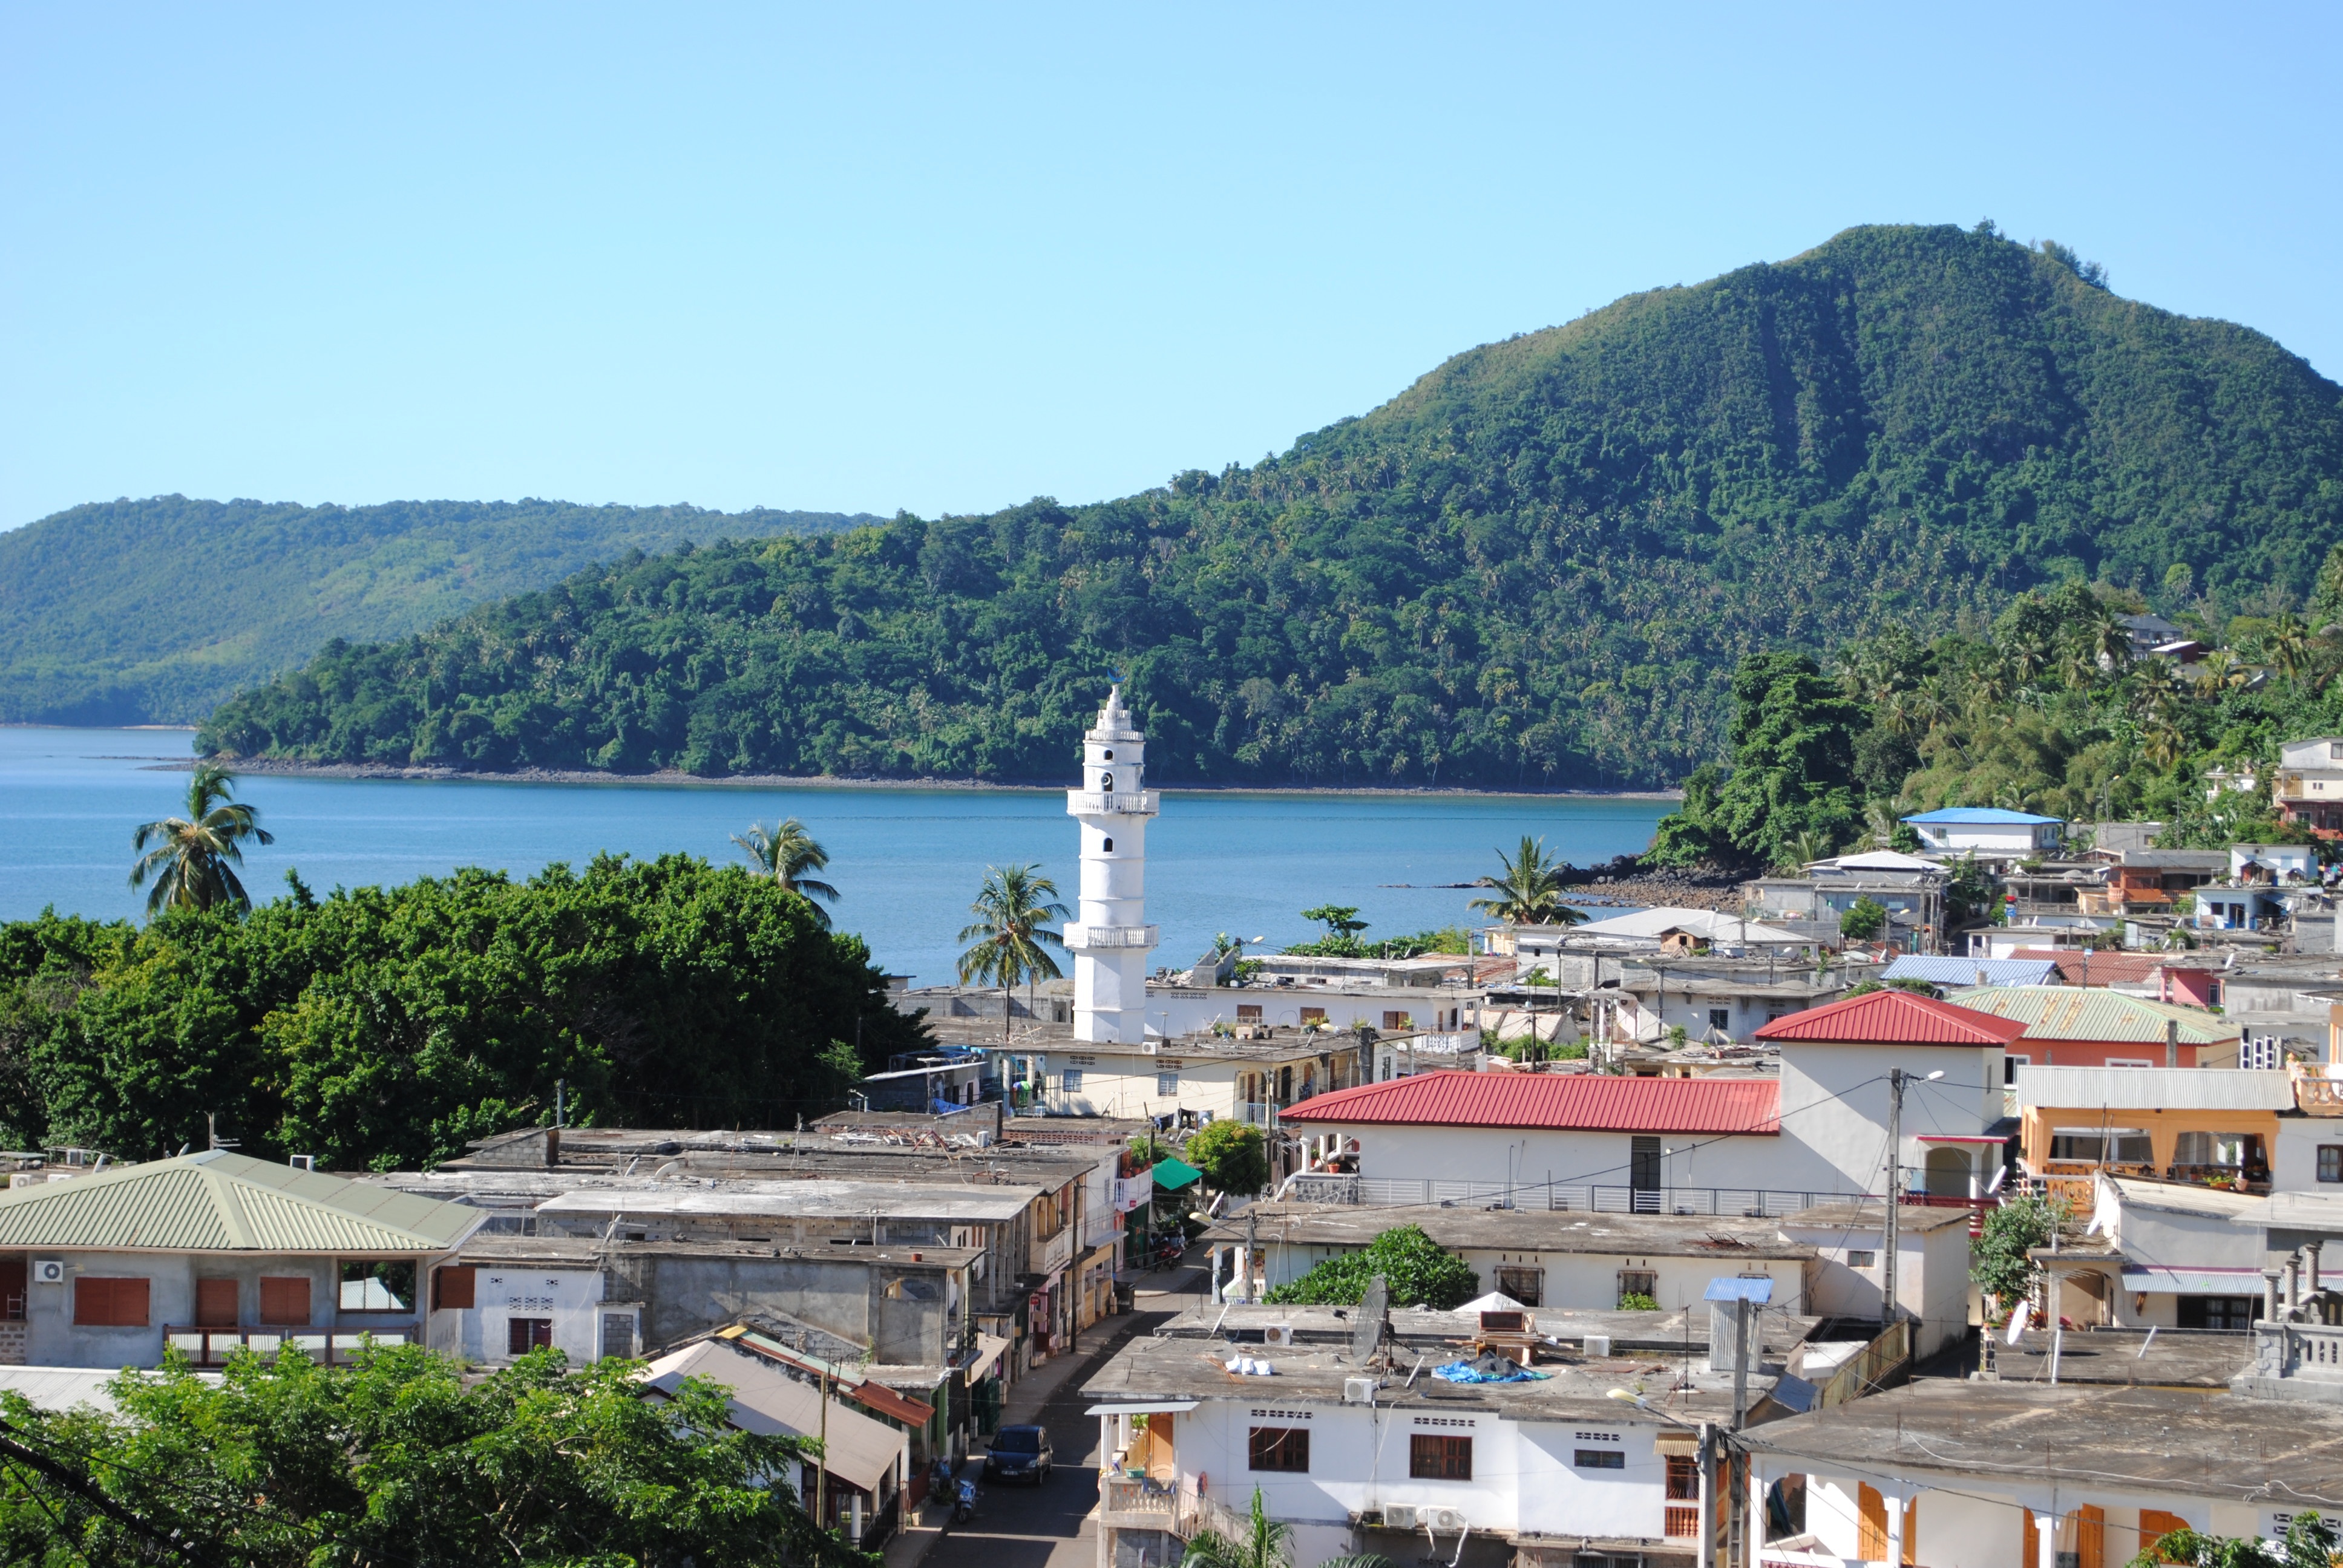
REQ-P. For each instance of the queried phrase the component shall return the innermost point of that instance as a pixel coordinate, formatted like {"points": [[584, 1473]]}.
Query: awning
{"points": [[1677, 1445], [1954, 1137], [2153, 1278], [988, 1351], [1173, 1174], [1145, 1407]]}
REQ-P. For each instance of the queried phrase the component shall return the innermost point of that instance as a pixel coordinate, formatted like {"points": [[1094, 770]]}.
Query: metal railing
{"points": [[211, 1347], [1094, 803], [1082, 936], [1148, 1504], [1375, 1192]]}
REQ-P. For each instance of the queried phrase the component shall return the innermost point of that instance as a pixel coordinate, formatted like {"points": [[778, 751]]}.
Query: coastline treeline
{"points": [[1539, 567], [384, 1028]]}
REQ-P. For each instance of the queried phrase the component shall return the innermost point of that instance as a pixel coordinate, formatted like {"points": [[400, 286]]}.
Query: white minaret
{"points": [[1111, 939]]}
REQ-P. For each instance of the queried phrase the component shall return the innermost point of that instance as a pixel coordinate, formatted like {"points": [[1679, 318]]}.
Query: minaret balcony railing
{"points": [[1096, 937], [1097, 803]]}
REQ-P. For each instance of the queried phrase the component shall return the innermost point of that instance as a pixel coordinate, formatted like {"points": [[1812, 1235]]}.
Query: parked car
{"points": [[1018, 1454]]}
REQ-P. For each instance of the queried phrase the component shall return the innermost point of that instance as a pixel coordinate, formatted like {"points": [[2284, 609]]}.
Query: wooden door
{"points": [[1871, 1527], [2090, 1537], [2155, 1524]]}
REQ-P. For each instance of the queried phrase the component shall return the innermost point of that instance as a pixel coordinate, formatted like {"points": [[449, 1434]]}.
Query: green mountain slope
{"points": [[151, 611], [1537, 567]]}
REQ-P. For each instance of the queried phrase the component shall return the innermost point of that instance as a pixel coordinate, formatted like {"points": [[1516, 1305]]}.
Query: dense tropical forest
{"points": [[384, 1028], [150, 612], [2049, 710], [1537, 567]]}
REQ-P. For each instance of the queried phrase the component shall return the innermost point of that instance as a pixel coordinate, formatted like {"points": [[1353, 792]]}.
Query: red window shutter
{"points": [[452, 1287], [215, 1303], [284, 1300], [109, 1303]]}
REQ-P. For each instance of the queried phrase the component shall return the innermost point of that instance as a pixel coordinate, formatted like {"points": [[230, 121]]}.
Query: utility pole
{"points": [[1895, 1076], [821, 1467]]}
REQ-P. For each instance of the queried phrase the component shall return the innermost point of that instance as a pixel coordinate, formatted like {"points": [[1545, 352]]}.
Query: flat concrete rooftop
{"points": [[1528, 1230]]}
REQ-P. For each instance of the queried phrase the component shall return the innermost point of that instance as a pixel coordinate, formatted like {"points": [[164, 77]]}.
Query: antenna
{"points": [[1372, 1324]]}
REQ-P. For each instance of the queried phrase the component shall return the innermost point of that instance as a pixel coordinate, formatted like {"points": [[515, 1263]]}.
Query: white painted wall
{"points": [[1524, 1474], [1834, 1108], [1931, 1271], [2294, 1157], [1540, 1160], [572, 1297], [1978, 1522], [1588, 1281]]}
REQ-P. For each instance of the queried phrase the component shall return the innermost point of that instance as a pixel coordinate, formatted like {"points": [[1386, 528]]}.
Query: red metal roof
{"points": [[1891, 1017], [1574, 1102]]}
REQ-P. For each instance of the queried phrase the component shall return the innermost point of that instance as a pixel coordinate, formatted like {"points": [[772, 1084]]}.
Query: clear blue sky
{"points": [[949, 258]]}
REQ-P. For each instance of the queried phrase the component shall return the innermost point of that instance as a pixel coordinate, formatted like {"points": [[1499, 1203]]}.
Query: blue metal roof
{"points": [[1740, 1290], [1978, 816], [1973, 971]]}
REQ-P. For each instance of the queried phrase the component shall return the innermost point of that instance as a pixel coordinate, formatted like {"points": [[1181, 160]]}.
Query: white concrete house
{"points": [[1987, 832], [1932, 1266]]}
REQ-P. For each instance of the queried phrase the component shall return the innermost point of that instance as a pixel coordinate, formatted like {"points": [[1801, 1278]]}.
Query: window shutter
{"points": [[452, 1287], [215, 1303], [110, 1303], [284, 1300]]}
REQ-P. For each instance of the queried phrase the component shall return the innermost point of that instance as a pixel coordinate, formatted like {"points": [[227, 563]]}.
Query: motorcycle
{"points": [[964, 1504], [1167, 1252]]}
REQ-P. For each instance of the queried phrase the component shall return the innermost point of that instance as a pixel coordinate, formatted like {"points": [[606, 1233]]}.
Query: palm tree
{"points": [[1264, 1544], [1529, 890], [1011, 942], [190, 863], [784, 854], [2287, 645]]}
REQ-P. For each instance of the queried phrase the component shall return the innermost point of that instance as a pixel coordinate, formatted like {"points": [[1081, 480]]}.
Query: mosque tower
{"points": [[1111, 939]]}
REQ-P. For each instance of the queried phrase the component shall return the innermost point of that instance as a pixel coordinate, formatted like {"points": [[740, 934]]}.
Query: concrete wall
{"points": [[1932, 1269], [1540, 1160], [2294, 1158], [572, 1297], [1587, 1281], [1834, 1108], [1979, 1520], [914, 1325]]}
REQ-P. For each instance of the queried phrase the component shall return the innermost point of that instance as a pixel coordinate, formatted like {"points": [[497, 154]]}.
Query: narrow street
{"points": [[1032, 1526]]}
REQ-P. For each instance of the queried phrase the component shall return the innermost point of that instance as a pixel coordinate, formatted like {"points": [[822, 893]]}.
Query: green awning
{"points": [[1173, 1174]]}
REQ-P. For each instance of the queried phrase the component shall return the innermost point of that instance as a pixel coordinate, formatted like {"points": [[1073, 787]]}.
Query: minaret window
{"points": [[1110, 846], [1106, 782], [1108, 756]]}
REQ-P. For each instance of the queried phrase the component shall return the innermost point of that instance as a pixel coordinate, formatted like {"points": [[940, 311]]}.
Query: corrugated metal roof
{"points": [[1893, 1018], [2106, 969], [1980, 816], [2094, 1012], [768, 1400], [1578, 1102], [219, 1202], [1970, 971]]}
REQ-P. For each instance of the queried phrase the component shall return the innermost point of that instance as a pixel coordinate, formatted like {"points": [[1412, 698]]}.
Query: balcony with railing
{"points": [[1115, 803], [1096, 937], [212, 1346], [1144, 1503], [2317, 1087]]}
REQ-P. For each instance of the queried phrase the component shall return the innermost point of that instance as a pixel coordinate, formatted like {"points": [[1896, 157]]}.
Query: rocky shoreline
{"points": [[1624, 881]]}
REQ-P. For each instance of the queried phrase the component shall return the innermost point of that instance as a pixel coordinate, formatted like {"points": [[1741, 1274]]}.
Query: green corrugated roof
{"points": [[219, 1202], [2094, 1012], [1173, 1174]]}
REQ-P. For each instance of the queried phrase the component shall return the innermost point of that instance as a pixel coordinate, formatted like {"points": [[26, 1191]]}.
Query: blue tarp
{"points": [[1466, 1371]]}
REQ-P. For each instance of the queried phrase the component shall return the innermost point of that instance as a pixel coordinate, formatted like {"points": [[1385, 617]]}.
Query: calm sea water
{"points": [[907, 862]]}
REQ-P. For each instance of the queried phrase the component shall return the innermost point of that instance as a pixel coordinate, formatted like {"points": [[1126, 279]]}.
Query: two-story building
{"points": [[2093, 1026], [210, 1252], [1987, 832], [2308, 788]]}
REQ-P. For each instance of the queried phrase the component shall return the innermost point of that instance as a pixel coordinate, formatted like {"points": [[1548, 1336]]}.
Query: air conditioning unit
{"points": [[1400, 1515], [1358, 1390], [1277, 1334], [48, 1270], [1442, 1518]]}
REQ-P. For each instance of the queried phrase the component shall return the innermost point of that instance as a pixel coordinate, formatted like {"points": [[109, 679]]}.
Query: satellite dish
{"points": [[1373, 1321]]}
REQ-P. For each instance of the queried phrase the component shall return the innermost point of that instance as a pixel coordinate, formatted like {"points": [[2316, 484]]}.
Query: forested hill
{"points": [[132, 612], [1537, 567]]}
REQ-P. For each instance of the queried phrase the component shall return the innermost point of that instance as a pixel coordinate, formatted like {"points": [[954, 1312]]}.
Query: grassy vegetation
{"points": [[1539, 566], [137, 612]]}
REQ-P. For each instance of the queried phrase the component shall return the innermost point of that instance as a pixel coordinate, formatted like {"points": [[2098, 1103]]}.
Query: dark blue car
{"points": [[1018, 1454]]}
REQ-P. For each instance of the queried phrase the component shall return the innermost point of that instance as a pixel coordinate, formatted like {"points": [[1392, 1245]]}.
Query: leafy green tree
{"points": [[1527, 889], [1792, 788], [1691, 834], [194, 860], [1340, 920], [387, 1026], [1415, 1269], [2310, 1543], [1264, 1542], [785, 853], [1999, 1262], [1864, 919], [1232, 1156], [1011, 944], [396, 1458]]}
